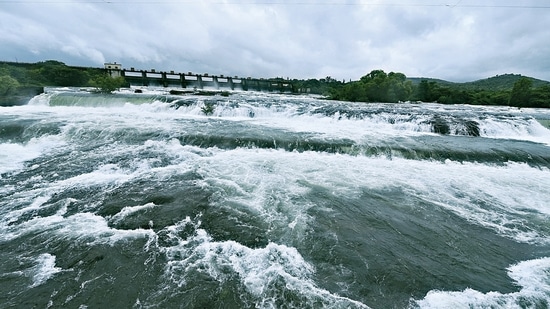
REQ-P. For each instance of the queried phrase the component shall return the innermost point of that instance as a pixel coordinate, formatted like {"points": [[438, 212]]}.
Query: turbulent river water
{"points": [[271, 201]]}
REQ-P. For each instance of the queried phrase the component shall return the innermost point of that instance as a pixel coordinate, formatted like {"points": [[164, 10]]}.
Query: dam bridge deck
{"points": [[201, 81]]}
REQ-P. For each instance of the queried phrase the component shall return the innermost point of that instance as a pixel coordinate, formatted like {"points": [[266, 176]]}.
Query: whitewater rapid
{"points": [[271, 201]]}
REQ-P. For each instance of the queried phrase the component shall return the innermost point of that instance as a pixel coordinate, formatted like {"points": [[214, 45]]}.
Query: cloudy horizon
{"points": [[455, 40]]}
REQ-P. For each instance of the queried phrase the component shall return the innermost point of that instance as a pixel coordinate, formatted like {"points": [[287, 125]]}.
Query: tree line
{"points": [[378, 86]]}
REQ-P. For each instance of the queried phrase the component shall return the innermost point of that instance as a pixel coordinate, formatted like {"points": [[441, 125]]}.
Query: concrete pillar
{"points": [[144, 80], [215, 81], [199, 81], [164, 80]]}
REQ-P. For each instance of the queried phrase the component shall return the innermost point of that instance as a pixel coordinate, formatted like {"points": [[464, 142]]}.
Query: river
{"points": [[260, 200]]}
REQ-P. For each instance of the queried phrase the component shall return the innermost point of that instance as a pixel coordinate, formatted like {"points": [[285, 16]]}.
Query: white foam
{"points": [[105, 174], [266, 273], [44, 269], [274, 184], [264, 182], [11, 216], [297, 114], [40, 100], [128, 210], [515, 128], [82, 227], [23, 202], [532, 276], [108, 177], [509, 199], [13, 156], [270, 184], [92, 228]]}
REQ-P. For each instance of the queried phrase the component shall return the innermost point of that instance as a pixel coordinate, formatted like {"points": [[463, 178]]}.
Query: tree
{"points": [[354, 92], [399, 88], [521, 93], [8, 85], [107, 84], [377, 76], [540, 97], [376, 86], [430, 91]]}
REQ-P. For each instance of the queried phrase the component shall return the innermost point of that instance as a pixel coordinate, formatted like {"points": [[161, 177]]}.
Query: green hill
{"points": [[495, 83], [502, 82], [416, 81]]}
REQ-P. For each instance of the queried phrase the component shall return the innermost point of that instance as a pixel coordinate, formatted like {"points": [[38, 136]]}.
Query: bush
{"points": [[107, 84], [208, 108], [8, 85]]}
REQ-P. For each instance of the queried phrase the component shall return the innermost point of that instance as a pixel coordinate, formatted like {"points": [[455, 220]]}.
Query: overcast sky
{"points": [[457, 40]]}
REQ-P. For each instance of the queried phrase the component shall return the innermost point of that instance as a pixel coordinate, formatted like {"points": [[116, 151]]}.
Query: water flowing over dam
{"points": [[261, 200]]}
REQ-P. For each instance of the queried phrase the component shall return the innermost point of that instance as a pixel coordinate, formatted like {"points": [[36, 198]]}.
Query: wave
{"points": [[88, 99], [44, 269], [13, 155], [502, 123], [415, 149], [532, 276], [410, 131], [273, 183], [272, 201], [273, 276]]}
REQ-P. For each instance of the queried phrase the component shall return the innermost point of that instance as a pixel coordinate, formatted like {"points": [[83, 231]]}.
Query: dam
{"points": [[198, 81]]}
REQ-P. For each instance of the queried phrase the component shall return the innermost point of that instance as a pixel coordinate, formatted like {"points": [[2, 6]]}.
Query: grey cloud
{"points": [[314, 40]]}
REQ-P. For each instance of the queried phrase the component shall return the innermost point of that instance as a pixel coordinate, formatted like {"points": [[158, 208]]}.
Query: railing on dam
{"points": [[203, 81]]}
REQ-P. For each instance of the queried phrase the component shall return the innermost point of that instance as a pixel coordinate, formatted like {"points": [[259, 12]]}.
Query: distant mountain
{"points": [[496, 83], [502, 82], [416, 80]]}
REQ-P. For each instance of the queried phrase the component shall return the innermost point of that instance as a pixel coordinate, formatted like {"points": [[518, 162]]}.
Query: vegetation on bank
{"points": [[22, 79], [107, 84], [378, 86], [8, 85], [27, 79], [50, 73]]}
